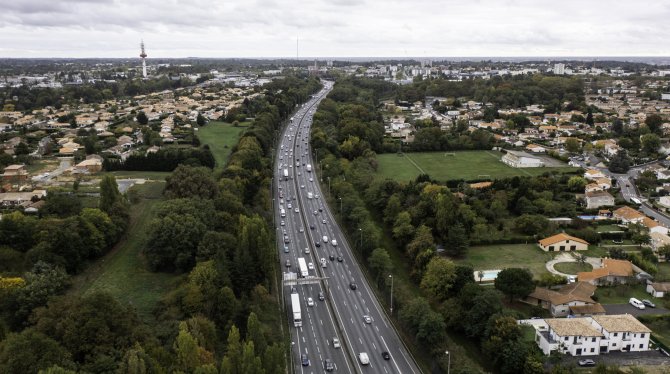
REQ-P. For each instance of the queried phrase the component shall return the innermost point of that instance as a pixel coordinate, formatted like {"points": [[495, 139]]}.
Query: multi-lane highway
{"points": [[335, 299]]}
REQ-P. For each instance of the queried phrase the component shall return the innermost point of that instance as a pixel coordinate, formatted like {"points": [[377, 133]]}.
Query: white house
{"points": [[517, 159], [592, 336], [665, 201], [597, 199], [658, 289], [594, 174]]}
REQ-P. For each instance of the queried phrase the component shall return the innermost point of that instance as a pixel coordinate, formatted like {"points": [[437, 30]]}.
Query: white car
{"points": [[311, 179], [367, 319], [283, 223], [310, 301], [296, 210], [310, 266], [302, 186], [336, 343]]}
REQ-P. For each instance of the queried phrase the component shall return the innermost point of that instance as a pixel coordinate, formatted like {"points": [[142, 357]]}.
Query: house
{"points": [[592, 336], [563, 242], [593, 174], [18, 198], [560, 302], [612, 272], [15, 174], [517, 159], [604, 183], [536, 148], [598, 199], [658, 289], [628, 215], [481, 185], [664, 201], [91, 165], [654, 226]]}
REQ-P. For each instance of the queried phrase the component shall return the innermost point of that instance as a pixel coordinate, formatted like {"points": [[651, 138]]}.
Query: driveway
{"points": [[629, 309], [569, 257]]}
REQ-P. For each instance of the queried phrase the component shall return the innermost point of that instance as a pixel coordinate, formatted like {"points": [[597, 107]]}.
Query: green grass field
{"points": [[468, 165], [622, 293], [572, 267], [122, 272], [221, 137], [501, 256]]}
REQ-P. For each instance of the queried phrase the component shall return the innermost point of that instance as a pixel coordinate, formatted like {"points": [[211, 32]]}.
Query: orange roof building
{"points": [[563, 242], [613, 271]]}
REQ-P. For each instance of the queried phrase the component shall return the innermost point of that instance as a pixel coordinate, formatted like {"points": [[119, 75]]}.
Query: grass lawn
{"points": [[123, 174], [663, 274], [501, 256], [122, 271], [660, 328], [221, 137], [466, 165], [609, 228], [572, 267], [621, 293]]}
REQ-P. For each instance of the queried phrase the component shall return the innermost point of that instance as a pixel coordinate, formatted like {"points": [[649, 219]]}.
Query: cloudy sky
{"points": [[334, 28]]}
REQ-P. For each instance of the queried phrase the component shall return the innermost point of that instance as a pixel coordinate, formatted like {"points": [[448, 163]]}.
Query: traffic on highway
{"points": [[337, 324]]}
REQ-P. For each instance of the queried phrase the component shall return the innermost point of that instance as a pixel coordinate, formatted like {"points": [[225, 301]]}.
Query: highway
{"points": [[352, 315]]}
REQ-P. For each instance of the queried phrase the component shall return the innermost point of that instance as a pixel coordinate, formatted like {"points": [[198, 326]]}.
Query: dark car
{"points": [[304, 360], [317, 244], [352, 285], [331, 257], [311, 227], [587, 362], [320, 209], [339, 259], [648, 303], [321, 296], [386, 355]]}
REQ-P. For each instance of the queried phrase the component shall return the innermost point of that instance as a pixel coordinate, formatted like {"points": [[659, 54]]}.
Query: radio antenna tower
{"points": [[143, 56]]}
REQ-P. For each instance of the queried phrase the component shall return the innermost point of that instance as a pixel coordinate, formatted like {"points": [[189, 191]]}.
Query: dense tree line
{"points": [[504, 92], [165, 159]]}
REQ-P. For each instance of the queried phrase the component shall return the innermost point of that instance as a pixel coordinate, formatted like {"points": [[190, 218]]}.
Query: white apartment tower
{"points": [[559, 69]]}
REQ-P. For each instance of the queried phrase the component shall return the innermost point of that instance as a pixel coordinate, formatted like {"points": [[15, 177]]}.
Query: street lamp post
{"points": [[328, 186], [321, 168], [448, 362], [340, 205], [391, 276], [360, 230]]}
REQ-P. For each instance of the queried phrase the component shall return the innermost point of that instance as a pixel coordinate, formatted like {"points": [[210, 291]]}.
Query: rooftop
{"points": [[621, 322], [559, 238], [572, 327]]}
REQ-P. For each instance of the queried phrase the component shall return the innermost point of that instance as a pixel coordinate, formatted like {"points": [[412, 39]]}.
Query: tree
{"points": [[173, 242], [402, 228], [41, 283], [572, 145], [619, 163], [650, 143], [109, 193], [191, 182], [515, 282], [457, 240], [439, 278], [142, 118], [380, 263], [577, 183], [654, 122], [200, 120], [423, 239], [232, 361], [530, 224], [62, 205], [21, 149], [30, 351]]}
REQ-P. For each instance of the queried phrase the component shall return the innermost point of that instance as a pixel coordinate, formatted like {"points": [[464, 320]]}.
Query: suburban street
{"points": [[315, 236]]}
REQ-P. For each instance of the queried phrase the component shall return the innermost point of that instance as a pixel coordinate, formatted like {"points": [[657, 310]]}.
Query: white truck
{"points": [[309, 168], [303, 267], [285, 174], [310, 195], [297, 315], [363, 358]]}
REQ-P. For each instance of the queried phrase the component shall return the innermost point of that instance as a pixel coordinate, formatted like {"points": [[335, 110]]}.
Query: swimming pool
{"points": [[487, 275], [591, 218]]}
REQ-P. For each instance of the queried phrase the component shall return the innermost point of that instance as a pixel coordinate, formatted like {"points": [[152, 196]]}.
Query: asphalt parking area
{"points": [[627, 308]]}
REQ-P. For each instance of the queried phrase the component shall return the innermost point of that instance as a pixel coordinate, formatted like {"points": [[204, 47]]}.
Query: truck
{"points": [[285, 174], [635, 200], [297, 315], [303, 267], [310, 195], [309, 168]]}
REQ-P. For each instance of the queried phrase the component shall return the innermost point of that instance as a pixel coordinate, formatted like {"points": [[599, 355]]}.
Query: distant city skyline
{"points": [[334, 28]]}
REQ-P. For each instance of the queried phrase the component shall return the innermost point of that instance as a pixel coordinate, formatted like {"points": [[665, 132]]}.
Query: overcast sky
{"points": [[334, 28]]}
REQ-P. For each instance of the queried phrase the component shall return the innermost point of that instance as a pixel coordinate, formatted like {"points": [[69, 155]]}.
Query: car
{"points": [[302, 186], [304, 360], [311, 179], [302, 229], [289, 206], [315, 212], [363, 358], [367, 319], [328, 365], [288, 263], [311, 227], [323, 221], [282, 223], [586, 362], [331, 257], [648, 303], [636, 303], [321, 296], [386, 355], [310, 301], [615, 241], [320, 209], [317, 244], [339, 259], [316, 196], [336, 343], [310, 266], [285, 249], [306, 250], [352, 285], [299, 173]]}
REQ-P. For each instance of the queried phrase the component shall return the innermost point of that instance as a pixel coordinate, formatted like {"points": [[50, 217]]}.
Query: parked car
{"points": [[636, 303], [587, 362], [648, 303]]}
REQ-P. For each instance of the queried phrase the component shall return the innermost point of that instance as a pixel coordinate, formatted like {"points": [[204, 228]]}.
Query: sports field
{"points": [[467, 165], [221, 137]]}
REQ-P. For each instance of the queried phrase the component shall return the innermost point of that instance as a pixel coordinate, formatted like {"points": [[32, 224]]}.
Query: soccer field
{"points": [[467, 165]]}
